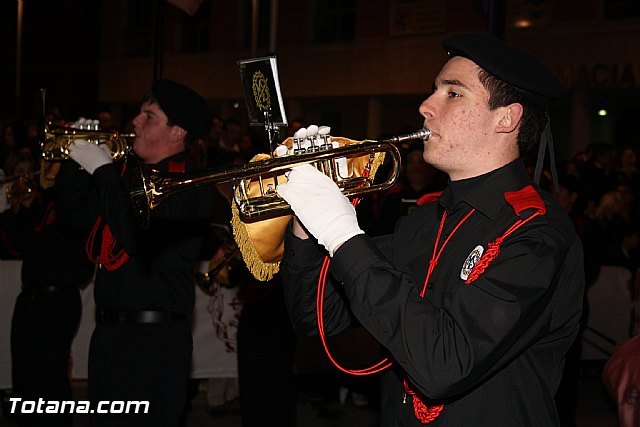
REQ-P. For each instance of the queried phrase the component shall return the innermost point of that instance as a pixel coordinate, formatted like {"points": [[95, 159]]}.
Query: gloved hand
{"points": [[89, 155], [320, 206]]}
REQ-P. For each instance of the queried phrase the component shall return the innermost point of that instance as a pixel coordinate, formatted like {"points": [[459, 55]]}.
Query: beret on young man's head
{"points": [[509, 64], [183, 106]]}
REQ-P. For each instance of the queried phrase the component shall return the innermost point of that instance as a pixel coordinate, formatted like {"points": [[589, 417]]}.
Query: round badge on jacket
{"points": [[471, 261]]}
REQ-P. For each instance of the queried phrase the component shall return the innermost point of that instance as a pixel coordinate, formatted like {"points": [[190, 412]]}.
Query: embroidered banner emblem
{"points": [[471, 261]]}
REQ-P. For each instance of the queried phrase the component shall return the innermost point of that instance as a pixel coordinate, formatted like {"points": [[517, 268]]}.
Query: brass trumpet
{"points": [[148, 191], [57, 140], [21, 185]]}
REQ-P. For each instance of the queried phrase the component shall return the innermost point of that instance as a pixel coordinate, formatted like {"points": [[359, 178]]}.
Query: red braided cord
{"points": [[106, 257], [322, 282], [111, 261], [424, 413], [436, 254], [493, 249]]}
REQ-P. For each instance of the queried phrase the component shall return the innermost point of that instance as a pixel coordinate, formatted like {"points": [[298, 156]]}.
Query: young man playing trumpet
{"points": [[478, 292], [144, 289]]}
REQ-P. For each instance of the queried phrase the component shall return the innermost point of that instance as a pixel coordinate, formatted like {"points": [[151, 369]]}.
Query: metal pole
{"points": [[255, 16], [158, 48], [273, 36], [19, 57], [496, 11]]}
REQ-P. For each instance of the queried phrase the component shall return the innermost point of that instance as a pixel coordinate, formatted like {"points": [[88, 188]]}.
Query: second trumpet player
{"points": [[144, 291]]}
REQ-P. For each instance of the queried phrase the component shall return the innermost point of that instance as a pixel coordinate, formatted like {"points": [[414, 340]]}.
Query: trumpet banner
{"points": [[261, 242]]}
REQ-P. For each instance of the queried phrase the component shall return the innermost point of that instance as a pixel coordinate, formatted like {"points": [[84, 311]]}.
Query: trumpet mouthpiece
{"points": [[424, 134]]}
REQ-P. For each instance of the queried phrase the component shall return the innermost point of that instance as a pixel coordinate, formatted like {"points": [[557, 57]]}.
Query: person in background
{"points": [[231, 136], [598, 175], [144, 290], [477, 294], [47, 311], [418, 179], [106, 121]]}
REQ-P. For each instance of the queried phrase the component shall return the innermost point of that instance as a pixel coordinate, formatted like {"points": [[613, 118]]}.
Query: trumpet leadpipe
{"points": [[423, 134]]}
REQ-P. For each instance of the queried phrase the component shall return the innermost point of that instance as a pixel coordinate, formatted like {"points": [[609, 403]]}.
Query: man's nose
{"points": [[136, 120], [426, 109]]}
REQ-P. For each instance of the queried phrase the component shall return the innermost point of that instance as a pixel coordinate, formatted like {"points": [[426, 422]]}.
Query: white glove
{"points": [[320, 206], [89, 155]]}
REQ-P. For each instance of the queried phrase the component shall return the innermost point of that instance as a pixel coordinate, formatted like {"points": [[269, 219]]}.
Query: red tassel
{"points": [[425, 414], [490, 254]]}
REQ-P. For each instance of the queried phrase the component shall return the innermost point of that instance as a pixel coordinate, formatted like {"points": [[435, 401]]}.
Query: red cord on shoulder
{"points": [[521, 200], [429, 197]]}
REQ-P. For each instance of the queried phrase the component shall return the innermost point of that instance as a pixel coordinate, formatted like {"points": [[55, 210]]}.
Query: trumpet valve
{"points": [[324, 136], [281, 151], [312, 137], [298, 141]]}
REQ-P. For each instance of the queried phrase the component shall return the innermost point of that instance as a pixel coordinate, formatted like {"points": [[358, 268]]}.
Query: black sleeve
{"points": [[449, 348], [74, 197], [300, 269]]}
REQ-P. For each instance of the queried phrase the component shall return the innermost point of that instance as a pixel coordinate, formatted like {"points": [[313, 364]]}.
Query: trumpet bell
{"points": [[57, 140]]}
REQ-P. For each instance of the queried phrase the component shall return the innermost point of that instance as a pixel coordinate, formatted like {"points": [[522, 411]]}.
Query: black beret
{"points": [[183, 106], [508, 64]]}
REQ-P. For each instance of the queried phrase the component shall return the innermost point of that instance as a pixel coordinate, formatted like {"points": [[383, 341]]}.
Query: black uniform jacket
{"points": [[52, 250], [150, 269], [492, 351]]}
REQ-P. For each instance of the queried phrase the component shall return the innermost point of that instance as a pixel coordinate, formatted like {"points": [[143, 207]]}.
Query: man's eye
{"points": [[454, 95]]}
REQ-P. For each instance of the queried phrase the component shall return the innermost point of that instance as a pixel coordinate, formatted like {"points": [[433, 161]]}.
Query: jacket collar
{"points": [[171, 163], [486, 192]]}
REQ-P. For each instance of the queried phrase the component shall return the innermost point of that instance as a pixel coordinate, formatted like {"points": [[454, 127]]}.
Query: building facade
{"points": [[359, 66]]}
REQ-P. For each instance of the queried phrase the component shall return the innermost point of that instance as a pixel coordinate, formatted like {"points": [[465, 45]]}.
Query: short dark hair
{"points": [[533, 117]]}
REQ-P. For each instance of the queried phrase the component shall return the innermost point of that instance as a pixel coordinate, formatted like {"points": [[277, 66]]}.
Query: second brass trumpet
{"points": [[57, 140]]}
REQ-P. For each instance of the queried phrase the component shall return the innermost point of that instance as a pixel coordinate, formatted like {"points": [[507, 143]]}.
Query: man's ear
{"points": [[509, 118], [178, 134]]}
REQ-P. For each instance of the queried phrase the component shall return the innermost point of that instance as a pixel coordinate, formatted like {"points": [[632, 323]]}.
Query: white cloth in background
{"points": [[10, 283], [80, 344], [214, 349], [215, 331], [609, 313]]}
